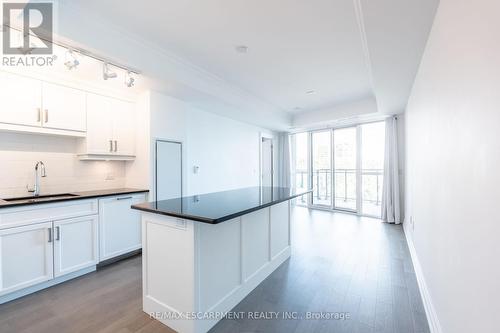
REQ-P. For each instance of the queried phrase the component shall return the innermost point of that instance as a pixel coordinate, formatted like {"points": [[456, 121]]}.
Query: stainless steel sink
{"points": [[41, 198]]}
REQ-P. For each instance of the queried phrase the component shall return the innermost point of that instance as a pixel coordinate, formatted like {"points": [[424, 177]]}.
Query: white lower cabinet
{"points": [[26, 256], [42, 245], [75, 244], [119, 225]]}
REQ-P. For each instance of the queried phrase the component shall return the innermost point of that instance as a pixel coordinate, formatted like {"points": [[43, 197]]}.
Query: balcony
{"points": [[345, 189]]}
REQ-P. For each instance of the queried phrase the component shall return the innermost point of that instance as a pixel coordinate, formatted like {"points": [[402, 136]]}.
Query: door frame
{"points": [[263, 136], [154, 185]]}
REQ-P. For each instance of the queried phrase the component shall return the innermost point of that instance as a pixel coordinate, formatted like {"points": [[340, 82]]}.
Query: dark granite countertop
{"points": [[56, 197], [221, 206]]}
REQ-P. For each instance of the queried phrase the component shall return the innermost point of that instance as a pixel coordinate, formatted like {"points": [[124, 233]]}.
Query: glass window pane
{"points": [[321, 168], [372, 156], [301, 153], [345, 168]]}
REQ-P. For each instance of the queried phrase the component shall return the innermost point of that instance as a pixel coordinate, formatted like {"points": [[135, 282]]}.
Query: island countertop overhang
{"points": [[222, 206]]}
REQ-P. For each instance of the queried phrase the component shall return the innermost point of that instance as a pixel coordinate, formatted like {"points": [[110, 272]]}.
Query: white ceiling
{"points": [[344, 50]]}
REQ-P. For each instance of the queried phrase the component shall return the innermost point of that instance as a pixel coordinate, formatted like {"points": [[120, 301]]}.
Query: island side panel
{"points": [[280, 240], [219, 261], [234, 257], [169, 270]]}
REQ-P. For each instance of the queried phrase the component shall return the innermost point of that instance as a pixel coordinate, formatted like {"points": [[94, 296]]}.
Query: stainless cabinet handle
{"points": [[38, 115], [50, 235], [123, 198], [111, 145], [46, 115], [58, 233], [116, 146]]}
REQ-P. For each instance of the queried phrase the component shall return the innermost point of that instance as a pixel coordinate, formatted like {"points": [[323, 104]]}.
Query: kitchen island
{"points": [[203, 254]]}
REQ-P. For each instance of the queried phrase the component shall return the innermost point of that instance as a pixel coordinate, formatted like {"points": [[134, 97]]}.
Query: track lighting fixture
{"points": [[129, 79], [107, 73], [71, 60]]}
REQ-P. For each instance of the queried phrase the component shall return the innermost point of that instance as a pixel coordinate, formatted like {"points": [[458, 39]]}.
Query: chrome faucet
{"points": [[36, 188]]}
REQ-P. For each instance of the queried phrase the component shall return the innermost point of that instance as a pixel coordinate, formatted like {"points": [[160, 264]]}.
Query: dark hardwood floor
{"points": [[340, 264]]}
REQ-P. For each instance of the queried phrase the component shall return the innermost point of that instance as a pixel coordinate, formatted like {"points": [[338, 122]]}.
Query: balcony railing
{"points": [[345, 186]]}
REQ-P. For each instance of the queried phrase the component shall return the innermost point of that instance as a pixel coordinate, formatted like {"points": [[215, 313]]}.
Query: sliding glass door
{"points": [[343, 166], [321, 168], [372, 167]]}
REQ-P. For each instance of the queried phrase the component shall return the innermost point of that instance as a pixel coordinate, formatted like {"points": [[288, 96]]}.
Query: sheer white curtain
{"points": [[390, 191], [284, 166]]}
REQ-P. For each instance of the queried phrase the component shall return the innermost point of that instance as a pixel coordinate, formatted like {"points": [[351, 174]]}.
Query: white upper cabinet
{"points": [[124, 127], [35, 106], [20, 100], [63, 107], [110, 128], [100, 126], [30, 105]]}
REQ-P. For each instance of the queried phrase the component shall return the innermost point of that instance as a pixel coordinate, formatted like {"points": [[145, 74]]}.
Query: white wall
{"points": [[226, 150], [65, 173], [453, 162]]}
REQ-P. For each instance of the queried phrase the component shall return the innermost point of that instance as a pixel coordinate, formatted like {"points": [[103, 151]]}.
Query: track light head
{"points": [[129, 79], [71, 60], [107, 73]]}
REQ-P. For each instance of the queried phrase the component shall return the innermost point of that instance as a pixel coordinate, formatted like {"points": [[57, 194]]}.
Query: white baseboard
{"points": [[430, 312]]}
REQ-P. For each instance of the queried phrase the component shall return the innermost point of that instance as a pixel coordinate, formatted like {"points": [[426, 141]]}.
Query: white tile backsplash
{"points": [[65, 173]]}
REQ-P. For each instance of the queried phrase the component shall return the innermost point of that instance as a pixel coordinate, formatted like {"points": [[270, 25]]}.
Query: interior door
{"points": [[267, 162], [75, 244], [100, 113], [168, 183], [20, 100], [25, 256], [63, 107]]}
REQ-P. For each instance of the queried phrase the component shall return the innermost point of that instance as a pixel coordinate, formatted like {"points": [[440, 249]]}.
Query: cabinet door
{"points": [[120, 226], [75, 244], [99, 124], [63, 108], [124, 127], [20, 100], [25, 257]]}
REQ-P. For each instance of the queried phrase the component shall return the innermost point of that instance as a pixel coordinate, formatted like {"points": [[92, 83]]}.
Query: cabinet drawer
{"points": [[13, 217]]}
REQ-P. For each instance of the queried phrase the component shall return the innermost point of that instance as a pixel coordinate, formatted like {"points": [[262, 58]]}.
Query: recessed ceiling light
{"points": [[310, 92], [241, 49]]}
